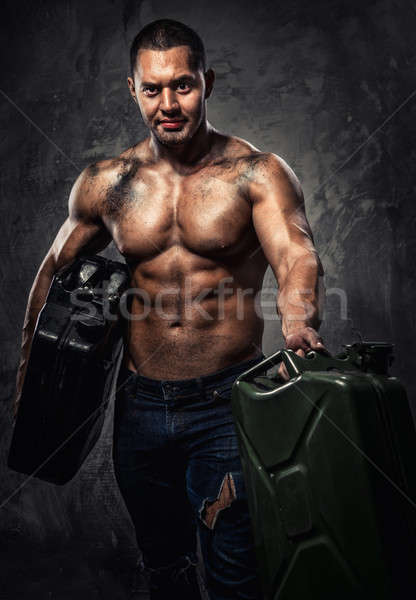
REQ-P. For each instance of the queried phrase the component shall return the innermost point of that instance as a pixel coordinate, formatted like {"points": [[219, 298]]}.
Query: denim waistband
{"points": [[188, 386]]}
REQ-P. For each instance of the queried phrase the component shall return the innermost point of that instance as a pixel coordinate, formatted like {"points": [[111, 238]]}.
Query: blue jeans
{"points": [[177, 465]]}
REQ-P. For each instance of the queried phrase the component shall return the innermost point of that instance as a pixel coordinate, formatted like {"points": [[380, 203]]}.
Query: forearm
{"points": [[36, 300], [300, 297]]}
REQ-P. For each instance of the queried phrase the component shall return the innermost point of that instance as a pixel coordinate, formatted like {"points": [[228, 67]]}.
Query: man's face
{"points": [[170, 94]]}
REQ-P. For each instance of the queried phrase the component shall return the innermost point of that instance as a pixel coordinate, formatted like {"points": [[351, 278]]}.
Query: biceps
{"points": [[284, 235], [76, 238]]}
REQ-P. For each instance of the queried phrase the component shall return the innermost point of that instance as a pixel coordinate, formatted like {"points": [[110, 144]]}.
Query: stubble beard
{"points": [[171, 138], [174, 138]]}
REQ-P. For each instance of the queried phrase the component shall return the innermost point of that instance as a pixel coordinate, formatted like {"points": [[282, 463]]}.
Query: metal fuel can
{"points": [[329, 464]]}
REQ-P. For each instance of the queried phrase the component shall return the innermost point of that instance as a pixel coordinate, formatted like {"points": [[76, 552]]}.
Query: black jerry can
{"points": [[329, 462], [75, 347]]}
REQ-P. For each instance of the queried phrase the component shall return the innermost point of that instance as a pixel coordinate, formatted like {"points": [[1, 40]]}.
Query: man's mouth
{"points": [[172, 123]]}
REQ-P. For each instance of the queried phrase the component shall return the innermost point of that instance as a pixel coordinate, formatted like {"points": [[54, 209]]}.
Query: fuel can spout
{"points": [[371, 357]]}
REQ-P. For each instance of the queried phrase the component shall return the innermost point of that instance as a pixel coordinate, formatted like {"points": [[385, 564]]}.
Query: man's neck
{"points": [[189, 152]]}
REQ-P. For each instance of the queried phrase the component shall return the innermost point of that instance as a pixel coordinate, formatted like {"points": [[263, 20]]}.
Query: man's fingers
{"points": [[312, 337], [315, 341], [304, 340], [319, 347], [282, 372], [296, 342]]}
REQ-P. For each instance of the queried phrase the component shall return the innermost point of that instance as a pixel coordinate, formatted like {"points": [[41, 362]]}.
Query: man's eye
{"points": [[183, 86], [150, 89]]}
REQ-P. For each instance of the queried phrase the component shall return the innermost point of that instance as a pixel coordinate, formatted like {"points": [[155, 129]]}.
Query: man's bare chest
{"points": [[208, 214]]}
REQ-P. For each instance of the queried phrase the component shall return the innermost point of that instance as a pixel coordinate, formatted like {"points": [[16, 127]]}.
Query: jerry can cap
{"points": [[375, 357]]}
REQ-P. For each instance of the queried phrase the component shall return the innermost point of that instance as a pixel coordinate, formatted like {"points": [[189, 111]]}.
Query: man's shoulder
{"points": [[259, 170], [108, 171], [98, 179], [261, 167], [248, 156]]}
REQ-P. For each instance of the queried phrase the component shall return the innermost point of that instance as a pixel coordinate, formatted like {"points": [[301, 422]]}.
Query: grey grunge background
{"points": [[328, 85]]}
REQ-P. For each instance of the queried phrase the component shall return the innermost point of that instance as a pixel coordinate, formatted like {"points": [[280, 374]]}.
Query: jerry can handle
{"points": [[263, 366], [295, 364]]}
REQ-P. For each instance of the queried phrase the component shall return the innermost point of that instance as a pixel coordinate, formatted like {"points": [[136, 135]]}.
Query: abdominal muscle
{"points": [[191, 329]]}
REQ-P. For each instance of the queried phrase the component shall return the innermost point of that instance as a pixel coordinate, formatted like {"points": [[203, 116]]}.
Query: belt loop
{"points": [[136, 387], [130, 378], [201, 388]]}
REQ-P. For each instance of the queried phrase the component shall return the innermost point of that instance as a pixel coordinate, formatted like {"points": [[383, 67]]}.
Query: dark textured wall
{"points": [[329, 86]]}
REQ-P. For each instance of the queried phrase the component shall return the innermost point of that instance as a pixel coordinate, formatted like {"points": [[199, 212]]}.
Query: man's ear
{"points": [[209, 82], [132, 89]]}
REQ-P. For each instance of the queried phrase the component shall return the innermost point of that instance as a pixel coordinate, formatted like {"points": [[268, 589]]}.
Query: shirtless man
{"points": [[198, 216]]}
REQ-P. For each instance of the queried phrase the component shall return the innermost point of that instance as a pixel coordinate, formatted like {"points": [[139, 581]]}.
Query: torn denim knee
{"points": [[211, 508]]}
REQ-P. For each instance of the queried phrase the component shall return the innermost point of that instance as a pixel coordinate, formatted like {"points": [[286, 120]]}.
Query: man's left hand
{"points": [[302, 341]]}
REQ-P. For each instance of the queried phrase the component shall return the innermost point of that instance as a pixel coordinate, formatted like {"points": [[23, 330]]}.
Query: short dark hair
{"points": [[167, 33]]}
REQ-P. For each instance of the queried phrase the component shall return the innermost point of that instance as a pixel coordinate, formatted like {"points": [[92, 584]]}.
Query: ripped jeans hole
{"points": [[211, 508]]}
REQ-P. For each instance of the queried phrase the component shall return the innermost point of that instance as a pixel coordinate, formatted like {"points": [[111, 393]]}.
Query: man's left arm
{"points": [[286, 239]]}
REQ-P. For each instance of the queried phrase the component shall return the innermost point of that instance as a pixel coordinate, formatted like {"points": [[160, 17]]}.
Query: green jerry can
{"points": [[329, 462]]}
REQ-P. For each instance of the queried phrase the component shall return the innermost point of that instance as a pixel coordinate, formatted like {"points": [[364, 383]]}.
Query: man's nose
{"points": [[168, 101]]}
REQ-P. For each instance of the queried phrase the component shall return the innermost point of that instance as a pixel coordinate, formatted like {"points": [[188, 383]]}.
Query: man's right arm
{"points": [[83, 232]]}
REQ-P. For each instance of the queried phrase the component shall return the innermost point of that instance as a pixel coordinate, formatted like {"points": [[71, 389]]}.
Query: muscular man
{"points": [[198, 216]]}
